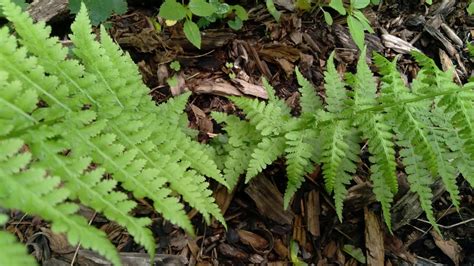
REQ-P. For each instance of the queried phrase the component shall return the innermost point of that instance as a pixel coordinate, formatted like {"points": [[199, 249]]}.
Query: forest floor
{"points": [[259, 230]]}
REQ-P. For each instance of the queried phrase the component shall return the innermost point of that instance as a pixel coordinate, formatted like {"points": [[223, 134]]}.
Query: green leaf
{"points": [[201, 8], [356, 253], [235, 24], [338, 6], [272, 9], [327, 18], [359, 4], [240, 12], [172, 10], [175, 65], [304, 5], [191, 31], [99, 11], [429, 2], [356, 28], [375, 2], [294, 250], [365, 22], [222, 9], [20, 3], [470, 8]]}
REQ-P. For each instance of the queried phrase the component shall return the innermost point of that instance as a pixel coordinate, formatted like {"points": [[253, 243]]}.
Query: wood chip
{"points": [[269, 200], [312, 213], [250, 89], [373, 238], [397, 44], [255, 241]]}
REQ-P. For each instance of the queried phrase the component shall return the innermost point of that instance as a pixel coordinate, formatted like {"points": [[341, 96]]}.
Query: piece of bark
{"points": [[432, 27], [397, 44], [269, 200], [218, 87], [312, 213], [409, 208], [373, 238], [250, 89], [46, 10]]}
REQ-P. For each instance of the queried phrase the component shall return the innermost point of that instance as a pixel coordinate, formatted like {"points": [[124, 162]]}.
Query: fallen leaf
{"points": [[449, 247]]}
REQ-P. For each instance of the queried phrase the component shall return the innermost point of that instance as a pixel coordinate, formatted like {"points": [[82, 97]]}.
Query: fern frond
{"points": [[309, 100], [31, 192], [273, 99], [347, 169], [420, 181], [267, 151], [13, 252], [268, 118], [334, 150], [95, 60], [16, 104], [404, 115], [298, 160], [336, 96]]}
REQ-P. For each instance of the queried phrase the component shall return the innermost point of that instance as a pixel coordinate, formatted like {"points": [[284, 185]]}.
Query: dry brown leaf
{"points": [[449, 247], [255, 241]]}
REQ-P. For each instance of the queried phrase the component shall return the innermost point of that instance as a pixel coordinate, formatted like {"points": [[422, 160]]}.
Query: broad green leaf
{"points": [[327, 18], [272, 9], [359, 4], [240, 12], [222, 9], [191, 31], [235, 24], [172, 10], [470, 8], [99, 11], [356, 253], [201, 8], [338, 5], [375, 2], [365, 22], [356, 28], [429, 2]]}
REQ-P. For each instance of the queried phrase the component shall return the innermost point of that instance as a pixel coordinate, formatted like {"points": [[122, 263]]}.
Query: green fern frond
{"points": [[32, 192], [267, 151], [309, 100], [13, 252], [410, 127], [334, 150], [298, 161], [268, 118], [347, 169], [420, 181], [336, 96]]}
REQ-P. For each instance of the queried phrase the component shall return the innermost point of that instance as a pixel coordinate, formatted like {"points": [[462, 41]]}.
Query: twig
{"points": [[79, 244]]}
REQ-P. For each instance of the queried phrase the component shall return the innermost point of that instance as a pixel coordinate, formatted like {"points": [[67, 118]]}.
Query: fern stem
{"points": [[467, 87]]}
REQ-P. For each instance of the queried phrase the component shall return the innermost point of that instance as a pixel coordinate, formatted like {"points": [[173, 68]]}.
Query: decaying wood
{"points": [[46, 10], [397, 44], [432, 27], [269, 200], [374, 238], [313, 210], [409, 208]]}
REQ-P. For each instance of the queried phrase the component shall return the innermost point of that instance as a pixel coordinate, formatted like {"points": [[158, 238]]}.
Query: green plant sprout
{"points": [[208, 11]]}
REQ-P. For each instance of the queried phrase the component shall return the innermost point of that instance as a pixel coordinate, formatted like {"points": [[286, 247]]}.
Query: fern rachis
{"points": [[396, 118]]}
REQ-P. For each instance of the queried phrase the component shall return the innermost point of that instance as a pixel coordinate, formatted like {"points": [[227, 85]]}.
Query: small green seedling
{"points": [[356, 20], [208, 11]]}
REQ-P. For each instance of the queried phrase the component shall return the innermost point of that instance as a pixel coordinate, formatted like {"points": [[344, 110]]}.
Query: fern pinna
{"points": [[430, 124], [66, 120]]}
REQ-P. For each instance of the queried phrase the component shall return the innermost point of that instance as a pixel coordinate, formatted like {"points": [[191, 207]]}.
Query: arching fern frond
{"points": [[31, 191]]}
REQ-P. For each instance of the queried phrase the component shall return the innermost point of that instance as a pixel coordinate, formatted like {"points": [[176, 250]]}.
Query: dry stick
{"points": [[79, 244]]}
